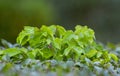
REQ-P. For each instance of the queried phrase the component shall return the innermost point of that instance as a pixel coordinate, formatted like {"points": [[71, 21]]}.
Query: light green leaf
{"points": [[91, 53], [46, 30], [85, 34], [12, 51], [114, 57], [106, 56], [60, 31], [67, 51], [99, 54], [57, 43], [1, 52], [78, 50], [68, 36], [31, 55], [26, 34]]}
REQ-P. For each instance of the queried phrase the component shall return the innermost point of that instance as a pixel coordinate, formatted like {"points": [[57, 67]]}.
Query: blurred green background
{"points": [[101, 15]]}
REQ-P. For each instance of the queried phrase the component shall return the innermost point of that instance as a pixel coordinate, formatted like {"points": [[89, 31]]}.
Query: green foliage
{"points": [[67, 48], [57, 43]]}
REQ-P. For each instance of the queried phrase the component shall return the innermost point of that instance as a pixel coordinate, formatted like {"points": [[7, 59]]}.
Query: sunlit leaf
{"points": [[114, 57], [12, 51], [26, 34], [91, 53], [67, 51], [57, 43]]}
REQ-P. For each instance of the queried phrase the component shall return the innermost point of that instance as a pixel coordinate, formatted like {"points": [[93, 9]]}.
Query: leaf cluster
{"points": [[66, 48]]}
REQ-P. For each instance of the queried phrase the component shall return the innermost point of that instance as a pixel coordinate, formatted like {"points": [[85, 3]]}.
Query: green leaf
{"points": [[47, 53], [1, 52], [7, 67], [106, 56], [69, 35], [60, 31], [11, 51], [33, 53], [85, 34], [99, 54], [67, 51], [91, 53], [114, 57], [57, 43], [26, 34], [78, 50], [47, 31]]}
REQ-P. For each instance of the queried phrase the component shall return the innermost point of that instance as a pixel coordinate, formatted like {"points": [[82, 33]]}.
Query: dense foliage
{"points": [[52, 50]]}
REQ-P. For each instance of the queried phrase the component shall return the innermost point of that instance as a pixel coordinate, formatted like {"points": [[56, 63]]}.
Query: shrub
{"points": [[53, 49]]}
